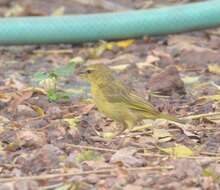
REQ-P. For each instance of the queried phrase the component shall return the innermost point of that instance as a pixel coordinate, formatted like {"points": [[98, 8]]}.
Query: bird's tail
{"points": [[171, 118]]}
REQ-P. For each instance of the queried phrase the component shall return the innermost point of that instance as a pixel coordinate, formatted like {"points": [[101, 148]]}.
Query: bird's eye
{"points": [[89, 71]]}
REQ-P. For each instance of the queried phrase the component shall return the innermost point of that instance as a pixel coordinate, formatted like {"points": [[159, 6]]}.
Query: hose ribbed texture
{"points": [[106, 26]]}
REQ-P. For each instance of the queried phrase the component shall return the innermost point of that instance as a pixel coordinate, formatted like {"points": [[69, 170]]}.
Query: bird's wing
{"points": [[140, 104], [119, 93]]}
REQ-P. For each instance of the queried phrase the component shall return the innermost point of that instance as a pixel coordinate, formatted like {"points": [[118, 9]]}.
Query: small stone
{"points": [[26, 185], [132, 187], [208, 183], [31, 138], [167, 82], [126, 156], [92, 178], [74, 135], [24, 110], [6, 186], [37, 124], [45, 158], [55, 112]]}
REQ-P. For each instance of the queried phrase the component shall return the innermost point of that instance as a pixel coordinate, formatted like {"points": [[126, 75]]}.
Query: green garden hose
{"points": [[109, 26]]}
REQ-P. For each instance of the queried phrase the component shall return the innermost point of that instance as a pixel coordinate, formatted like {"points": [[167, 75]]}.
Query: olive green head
{"points": [[95, 73]]}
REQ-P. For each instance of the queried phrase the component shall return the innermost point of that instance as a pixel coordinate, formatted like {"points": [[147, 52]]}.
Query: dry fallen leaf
{"points": [[72, 122], [161, 135], [211, 97], [13, 82], [178, 150], [98, 51], [5, 97], [87, 108], [31, 138], [87, 155], [18, 99], [59, 11], [125, 43], [188, 43], [39, 110], [119, 67], [126, 157], [150, 60], [3, 121], [120, 44], [214, 68], [16, 10], [190, 80]]}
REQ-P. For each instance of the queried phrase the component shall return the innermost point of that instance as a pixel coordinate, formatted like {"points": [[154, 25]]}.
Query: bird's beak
{"points": [[81, 72]]}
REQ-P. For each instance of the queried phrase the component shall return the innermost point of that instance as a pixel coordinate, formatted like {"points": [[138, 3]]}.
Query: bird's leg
{"points": [[122, 128], [128, 125], [125, 126]]}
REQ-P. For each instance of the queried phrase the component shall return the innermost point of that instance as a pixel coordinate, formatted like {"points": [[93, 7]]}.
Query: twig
{"points": [[98, 138], [141, 128], [135, 134], [10, 165], [90, 148], [202, 115], [210, 155], [50, 176], [32, 119], [55, 51], [151, 168], [186, 157], [103, 4]]}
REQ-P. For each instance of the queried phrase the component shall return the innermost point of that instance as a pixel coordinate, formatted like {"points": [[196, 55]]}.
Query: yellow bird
{"points": [[116, 100]]}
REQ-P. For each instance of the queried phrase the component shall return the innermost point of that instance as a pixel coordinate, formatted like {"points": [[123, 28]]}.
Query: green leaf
{"points": [[53, 75], [63, 95], [40, 76], [66, 70], [54, 95], [88, 155], [59, 72]]}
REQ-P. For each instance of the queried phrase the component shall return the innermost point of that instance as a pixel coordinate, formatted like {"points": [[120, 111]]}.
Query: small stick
{"points": [[187, 157], [202, 115], [90, 147], [50, 176], [210, 155], [10, 165], [55, 51]]}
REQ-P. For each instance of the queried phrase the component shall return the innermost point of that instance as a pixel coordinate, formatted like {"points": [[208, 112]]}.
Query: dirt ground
{"points": [[53, 137]]}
